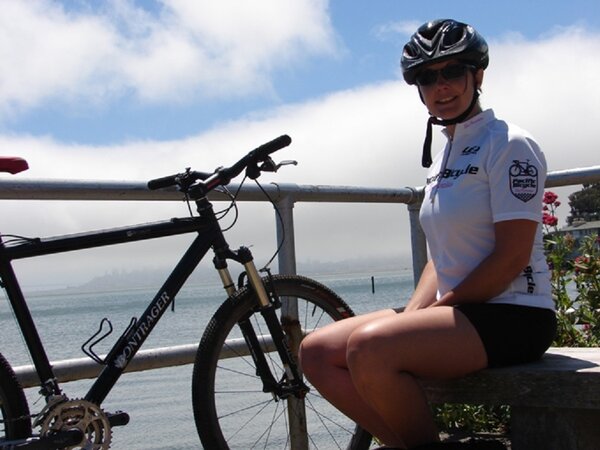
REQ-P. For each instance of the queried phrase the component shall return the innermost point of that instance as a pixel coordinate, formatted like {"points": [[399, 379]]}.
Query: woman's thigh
{"points": [[329, 343], [437, 342]]}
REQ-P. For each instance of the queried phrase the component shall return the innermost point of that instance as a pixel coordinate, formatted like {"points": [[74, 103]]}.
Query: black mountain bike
{"points": [[247, 388]]}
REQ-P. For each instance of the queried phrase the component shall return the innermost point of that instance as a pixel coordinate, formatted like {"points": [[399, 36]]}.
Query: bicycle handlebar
{"points": [[223, 176], [173, 180], [259, 154]]}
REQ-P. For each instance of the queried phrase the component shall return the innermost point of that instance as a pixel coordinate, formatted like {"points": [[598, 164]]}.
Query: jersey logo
{"points": [[470, 150], [454, 174], [523, 180], [528, 274]]}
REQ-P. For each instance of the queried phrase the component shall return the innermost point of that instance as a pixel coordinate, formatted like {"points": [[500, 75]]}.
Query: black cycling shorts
{"points": [[511, 334]]}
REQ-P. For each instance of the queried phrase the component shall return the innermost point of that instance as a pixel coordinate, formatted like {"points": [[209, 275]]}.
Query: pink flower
{"points": [[549, 220], [549, 197]]}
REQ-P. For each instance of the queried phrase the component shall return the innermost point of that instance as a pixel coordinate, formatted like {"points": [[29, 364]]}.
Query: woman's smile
{"points": [[446, 100]]}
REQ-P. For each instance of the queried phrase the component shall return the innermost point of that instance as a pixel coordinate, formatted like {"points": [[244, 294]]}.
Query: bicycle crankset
{"points": [[80, 414]]}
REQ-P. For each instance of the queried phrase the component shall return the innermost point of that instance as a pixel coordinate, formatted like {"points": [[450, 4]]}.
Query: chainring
{"points": [[81, 414]]}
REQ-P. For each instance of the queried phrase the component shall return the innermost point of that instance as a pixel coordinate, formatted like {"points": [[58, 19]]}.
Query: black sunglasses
{"points": [[450, 72]]}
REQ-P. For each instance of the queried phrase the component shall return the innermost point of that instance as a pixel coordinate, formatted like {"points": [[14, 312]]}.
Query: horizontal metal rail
{"points": [[40, 189], [156, 358], [284, 195], [46, 189]]}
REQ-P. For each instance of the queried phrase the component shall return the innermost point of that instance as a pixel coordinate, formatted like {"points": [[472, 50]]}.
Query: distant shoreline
{"points": [[150, 279]]}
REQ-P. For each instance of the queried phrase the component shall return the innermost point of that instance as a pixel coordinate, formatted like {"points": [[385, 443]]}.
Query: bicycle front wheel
{"points": [[15, 422], [230, 408]]}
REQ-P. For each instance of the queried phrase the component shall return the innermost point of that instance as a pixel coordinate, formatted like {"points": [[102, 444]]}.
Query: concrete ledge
{"points": [[555, 401], [564, 376]]}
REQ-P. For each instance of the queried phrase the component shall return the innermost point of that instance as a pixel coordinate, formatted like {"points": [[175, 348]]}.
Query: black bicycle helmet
{"points": [[440, 40]]}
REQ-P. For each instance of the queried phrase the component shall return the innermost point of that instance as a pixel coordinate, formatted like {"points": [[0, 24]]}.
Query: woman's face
{"points": [[448, 98]]}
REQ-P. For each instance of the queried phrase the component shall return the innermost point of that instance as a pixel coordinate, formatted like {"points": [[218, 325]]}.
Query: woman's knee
{"points": [[363, 351], [313, 354]]}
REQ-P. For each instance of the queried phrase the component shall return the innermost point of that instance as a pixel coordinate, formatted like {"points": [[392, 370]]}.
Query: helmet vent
{"points": [[441, 40]]}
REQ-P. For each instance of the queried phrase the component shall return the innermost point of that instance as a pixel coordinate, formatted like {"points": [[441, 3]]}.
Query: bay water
{"points": [[158, 401]]}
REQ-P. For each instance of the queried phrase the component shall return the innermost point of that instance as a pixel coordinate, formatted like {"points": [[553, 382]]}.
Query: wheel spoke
{"points": [[230, 406]]}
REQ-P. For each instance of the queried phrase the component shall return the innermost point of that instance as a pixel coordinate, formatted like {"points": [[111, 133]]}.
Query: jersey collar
{"points": [[472, 125]]}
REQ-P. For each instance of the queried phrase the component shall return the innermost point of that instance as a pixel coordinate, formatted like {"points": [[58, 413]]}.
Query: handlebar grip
{"points": [[163, 182], [272, 146], [257, 155]]}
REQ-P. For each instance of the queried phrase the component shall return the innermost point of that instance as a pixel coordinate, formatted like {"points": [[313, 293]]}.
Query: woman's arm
{"points": [[426, 290], [514, 242]]}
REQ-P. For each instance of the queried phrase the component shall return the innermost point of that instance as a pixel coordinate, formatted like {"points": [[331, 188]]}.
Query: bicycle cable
{"points": [[186, 199], [222, 213], [280, 219], [16, 239], [233, 205]]}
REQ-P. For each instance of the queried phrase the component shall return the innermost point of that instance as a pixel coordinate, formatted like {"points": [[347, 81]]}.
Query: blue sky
{"points": [[364, 54], [132, 90]]}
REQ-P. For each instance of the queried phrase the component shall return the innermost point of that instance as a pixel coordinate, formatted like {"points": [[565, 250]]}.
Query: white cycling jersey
{"points": [[489, 172]]}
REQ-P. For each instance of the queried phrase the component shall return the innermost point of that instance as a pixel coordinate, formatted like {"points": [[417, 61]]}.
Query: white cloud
{"points": [[368, 136], [358, 137], [187, 49], [549, 87], [392, 29], [49, 53]]}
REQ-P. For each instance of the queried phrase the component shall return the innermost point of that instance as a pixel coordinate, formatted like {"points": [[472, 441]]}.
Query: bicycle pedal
{"points": [[60, 439], [118, 419]]}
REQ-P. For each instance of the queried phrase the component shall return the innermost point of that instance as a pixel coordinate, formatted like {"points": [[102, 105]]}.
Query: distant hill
{"points": [[154, 277]]}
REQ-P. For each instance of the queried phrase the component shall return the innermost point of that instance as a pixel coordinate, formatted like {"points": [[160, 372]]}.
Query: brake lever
{"points": [[253, 170], [270, 166], [287, 162]]}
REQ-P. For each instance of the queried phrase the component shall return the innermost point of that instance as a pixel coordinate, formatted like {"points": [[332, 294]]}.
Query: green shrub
{"points": [[575, 276]]}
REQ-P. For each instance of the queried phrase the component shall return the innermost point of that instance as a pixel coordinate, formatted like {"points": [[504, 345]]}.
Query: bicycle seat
{"points": [[13, 164]]}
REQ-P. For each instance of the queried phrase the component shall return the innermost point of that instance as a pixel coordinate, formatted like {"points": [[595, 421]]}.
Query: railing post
{"points": [[289, 315], [285, 232], [418, 241]]}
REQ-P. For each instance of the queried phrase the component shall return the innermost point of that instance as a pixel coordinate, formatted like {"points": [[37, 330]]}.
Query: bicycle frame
{"points": [[209, 235], [195, 186]]}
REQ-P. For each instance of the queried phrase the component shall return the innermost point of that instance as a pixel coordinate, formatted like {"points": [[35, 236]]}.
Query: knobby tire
{"points": [[15, 422], [231, 410]]}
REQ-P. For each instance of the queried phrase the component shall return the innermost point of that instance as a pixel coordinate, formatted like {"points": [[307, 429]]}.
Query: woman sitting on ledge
{"points": [[484, 298]]}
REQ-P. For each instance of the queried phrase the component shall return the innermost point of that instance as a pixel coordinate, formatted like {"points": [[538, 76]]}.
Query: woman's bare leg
{"points": [[323, 361], [387, 356]]}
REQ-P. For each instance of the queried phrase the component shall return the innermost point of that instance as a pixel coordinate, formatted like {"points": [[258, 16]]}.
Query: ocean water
{"points": [[158, 401]]}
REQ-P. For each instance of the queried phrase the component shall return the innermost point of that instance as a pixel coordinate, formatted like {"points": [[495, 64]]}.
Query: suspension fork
{"points": [[292, 387], [295, 385], [268, 306]]}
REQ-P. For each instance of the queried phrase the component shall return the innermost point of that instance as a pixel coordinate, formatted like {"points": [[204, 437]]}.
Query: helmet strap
{"points": [[426, 159]]}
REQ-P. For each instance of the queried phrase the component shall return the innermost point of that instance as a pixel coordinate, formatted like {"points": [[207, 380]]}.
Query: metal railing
{"points": [[285, 196]]}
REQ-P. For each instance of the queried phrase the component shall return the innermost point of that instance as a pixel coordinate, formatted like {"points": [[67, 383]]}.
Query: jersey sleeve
{"points": [[517, 175]]}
